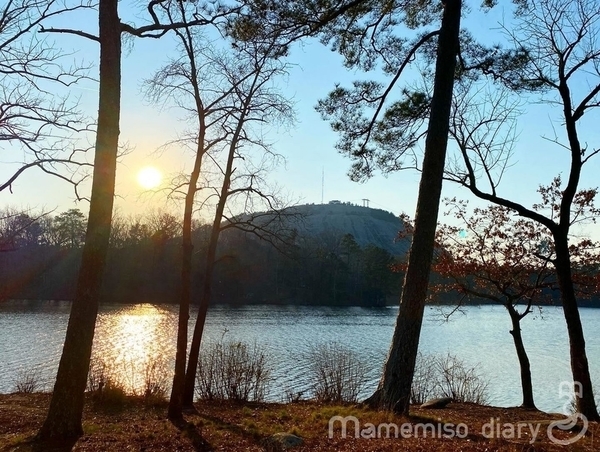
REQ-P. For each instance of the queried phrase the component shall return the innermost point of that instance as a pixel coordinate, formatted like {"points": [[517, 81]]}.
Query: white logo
{"points": [[571, 421]]}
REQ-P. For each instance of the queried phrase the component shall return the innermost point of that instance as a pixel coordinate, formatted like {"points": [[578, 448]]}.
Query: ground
{"points": [[133, 424]]}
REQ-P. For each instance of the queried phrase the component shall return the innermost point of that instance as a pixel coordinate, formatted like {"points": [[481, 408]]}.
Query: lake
{"points": [[131, 336]]}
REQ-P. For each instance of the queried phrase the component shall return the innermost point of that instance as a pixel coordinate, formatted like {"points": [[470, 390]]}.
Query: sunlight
{"points": [[134, 343], [149, 177]]}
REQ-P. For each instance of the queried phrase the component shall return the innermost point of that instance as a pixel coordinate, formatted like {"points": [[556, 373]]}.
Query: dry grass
{"points": [[234, 426]]}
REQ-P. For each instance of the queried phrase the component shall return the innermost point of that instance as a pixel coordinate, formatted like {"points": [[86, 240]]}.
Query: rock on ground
{"points": [[281, 442], [437, 403]]}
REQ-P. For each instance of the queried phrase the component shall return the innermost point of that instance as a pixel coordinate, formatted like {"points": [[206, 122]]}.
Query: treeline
{"points": [[41, 255]]}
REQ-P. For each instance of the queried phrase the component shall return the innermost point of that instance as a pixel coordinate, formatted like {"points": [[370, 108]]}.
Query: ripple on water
{"points": [[132, 338]]}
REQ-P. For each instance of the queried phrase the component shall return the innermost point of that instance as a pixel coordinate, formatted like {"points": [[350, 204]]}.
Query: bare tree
{"points": [[223, 93], [556, 44], [492, 256], [38, 127], [257, 104], [66, 407], [559, 42], [20, 228]]}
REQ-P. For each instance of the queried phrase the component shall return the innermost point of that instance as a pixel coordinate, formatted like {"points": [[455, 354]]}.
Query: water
{"points": [[130, 337]]}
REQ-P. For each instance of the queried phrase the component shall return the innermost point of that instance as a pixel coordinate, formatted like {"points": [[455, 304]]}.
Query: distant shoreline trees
{"points": [[328, 268]]}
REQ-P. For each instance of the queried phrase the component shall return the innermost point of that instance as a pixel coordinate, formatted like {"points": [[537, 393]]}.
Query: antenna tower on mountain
{"points": [[322, 185]]}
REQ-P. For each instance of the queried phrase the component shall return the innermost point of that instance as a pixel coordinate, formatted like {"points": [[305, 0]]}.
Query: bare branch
{"points": [[83, 34]]}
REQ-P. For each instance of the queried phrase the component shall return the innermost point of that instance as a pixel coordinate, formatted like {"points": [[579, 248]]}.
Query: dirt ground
{"points": [[138, 425]]}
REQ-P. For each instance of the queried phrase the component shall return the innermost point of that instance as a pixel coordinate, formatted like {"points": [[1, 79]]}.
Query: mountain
{"points": [[315, 262], [368, 226]]}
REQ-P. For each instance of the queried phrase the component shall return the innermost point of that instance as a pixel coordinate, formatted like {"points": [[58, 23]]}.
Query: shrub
{"points": [[447, 376], [155, 380], [233, 370], [292, 396], [424, 380], [461, 383], [112, 396], [107, 391], [115, 382], [27, 381], [98, 375], [337, 373]]}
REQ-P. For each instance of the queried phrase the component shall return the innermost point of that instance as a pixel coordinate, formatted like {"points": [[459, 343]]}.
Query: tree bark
{"points": [[192, 366], [176, 401], [190, 376], [395, 385], [586, 404], [66, 407], [526, 384]]}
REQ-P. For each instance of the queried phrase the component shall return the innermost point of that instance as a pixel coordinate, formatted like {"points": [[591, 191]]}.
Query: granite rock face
{"points": [[368, 226]]}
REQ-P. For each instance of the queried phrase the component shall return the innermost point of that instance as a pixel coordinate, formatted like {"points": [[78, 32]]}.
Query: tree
{"points": [[491, 255], [35, 120], [257, 102], [138, 232], [396, 382], [226, 95], [346, 108], [351, 253], [66, 407], [19, 229], [378, 275], [69, 228], [555, 45], [558, 43], [181, 77]]}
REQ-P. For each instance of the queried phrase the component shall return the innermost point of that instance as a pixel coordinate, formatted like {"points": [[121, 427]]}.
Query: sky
{"points": [[309, 146]]}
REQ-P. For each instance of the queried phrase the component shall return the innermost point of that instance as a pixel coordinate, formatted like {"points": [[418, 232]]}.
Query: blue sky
{"points": [[308, 146]]}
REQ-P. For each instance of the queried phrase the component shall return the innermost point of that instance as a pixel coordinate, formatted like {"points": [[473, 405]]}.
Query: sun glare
{"points": [[149, 177]]}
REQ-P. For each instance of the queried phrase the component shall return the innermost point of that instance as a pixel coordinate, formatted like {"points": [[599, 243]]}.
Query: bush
{"points": [[337, 373], [233, 370], [111, 384], [447, 376], [112, 396], [292, 396], [461, 383], [424, 380], [98, 375], [107, 391], [27, 381], [155, 380]]}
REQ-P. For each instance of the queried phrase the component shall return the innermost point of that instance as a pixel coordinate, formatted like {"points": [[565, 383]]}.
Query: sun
{"points": [[149, 177]]}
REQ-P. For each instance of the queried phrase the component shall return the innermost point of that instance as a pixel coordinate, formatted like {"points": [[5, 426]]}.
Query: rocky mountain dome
{"points": [[367, 225]]}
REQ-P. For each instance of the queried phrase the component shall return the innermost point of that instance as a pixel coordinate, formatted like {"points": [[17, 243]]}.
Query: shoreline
{"points": [[138, 424]]}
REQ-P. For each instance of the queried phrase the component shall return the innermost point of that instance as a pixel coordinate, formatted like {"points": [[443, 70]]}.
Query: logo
{"points": [[568, 391], [563, 432]]}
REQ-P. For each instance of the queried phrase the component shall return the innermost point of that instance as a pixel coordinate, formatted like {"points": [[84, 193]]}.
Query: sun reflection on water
{"points": [[136, 341]]}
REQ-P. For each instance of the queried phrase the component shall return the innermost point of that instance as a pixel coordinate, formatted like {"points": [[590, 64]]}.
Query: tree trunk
{"points": [[66, 407], [526, 385], [190, 376], [586, 404], [395, 385], [176, 401]]}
